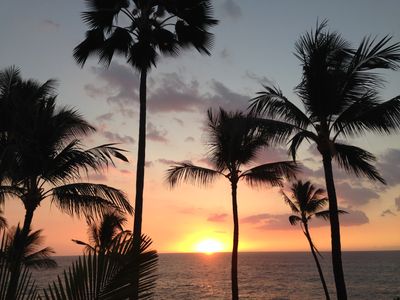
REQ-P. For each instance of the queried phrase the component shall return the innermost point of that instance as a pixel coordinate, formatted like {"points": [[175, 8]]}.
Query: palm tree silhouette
{"points": [[233, 142], [43, 157], [32, 256], [107, 275], [141, 31], [339, 92], [103, 234], [308, 202]]}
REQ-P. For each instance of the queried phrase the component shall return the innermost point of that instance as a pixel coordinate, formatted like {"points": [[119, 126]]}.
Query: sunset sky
{"points": [[254, 44]]}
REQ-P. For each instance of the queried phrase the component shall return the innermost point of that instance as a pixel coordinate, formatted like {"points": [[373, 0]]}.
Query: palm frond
{"points": [[325, 214], [273, 131], [294, 220], [356, 160], [271, 173], [9, 77], [68, 164], [369, 114], [272, 103], [89, 199], [187, 172], [298, 139], [26, 286], [89, 46], [32, 255], [289, 202], [9, 191], [88, 248], [107, 276], [314, 205]]}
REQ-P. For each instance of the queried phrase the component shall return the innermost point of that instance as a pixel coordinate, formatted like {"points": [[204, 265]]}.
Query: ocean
{"points": [[266, 275]]}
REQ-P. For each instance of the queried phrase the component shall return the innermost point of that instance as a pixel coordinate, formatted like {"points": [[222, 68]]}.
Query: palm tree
{"points": [[107, 275], [141, 31], [32, 256], [42, 157], [308, 202], [233, 142], [104, 233], [26, 286], [339, 92]]}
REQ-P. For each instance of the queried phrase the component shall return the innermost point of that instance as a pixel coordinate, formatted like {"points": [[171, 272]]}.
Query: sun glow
{"points": [[209, 246]]}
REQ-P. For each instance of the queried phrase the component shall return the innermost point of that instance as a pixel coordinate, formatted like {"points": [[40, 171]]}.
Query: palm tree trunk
{"points": [[16, 265], [137, 228], [321, 275], [234, 263], [335, 229]]}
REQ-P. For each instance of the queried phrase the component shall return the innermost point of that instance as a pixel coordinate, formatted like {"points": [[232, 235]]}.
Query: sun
{"points": [[209, 246]]}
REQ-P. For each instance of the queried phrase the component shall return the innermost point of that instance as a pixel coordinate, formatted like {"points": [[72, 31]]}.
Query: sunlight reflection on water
{"points": [[277, 276]]}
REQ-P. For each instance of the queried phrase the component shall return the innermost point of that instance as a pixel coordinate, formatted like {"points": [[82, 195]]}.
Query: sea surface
{"points": [[266, 275]]}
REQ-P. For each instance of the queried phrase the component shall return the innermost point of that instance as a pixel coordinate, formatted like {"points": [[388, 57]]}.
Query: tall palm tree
{"points": [[42, 157], [339, 92], [233, 142], [142, 31], [103, 234], [306, 202]]}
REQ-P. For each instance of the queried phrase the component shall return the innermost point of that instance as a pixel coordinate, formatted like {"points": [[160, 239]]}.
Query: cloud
{"points": [[171, 92], [389, 165], [168, 162], [179, 121], [174, 94], [189, 139], [354, 195], [97, 177], [268, 155], [217, 218], [260, 79], [105, 117], [397, 203], [206, 161], [232, 9], [191, 210], [281, 221], [116, 138], [224, 53], [387, 212], [120, 84], [156, 135]]}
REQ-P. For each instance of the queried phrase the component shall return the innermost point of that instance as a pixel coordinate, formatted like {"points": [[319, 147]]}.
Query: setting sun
{"points": [[209, 246]]}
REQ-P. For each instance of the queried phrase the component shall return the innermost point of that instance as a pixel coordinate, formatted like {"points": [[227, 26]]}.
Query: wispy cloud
{"points": [[232, 9], [117, 84], [105, 117], [397, 203], [281, 221], [156, 134], [219, 218], [117, 138], [387, 212]]}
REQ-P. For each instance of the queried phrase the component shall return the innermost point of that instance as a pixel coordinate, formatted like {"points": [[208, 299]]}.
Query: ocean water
{"points": [[266, 275]]}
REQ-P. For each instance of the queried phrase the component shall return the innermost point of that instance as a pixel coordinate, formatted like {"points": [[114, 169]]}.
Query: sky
{"points": [[254, 45]]}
